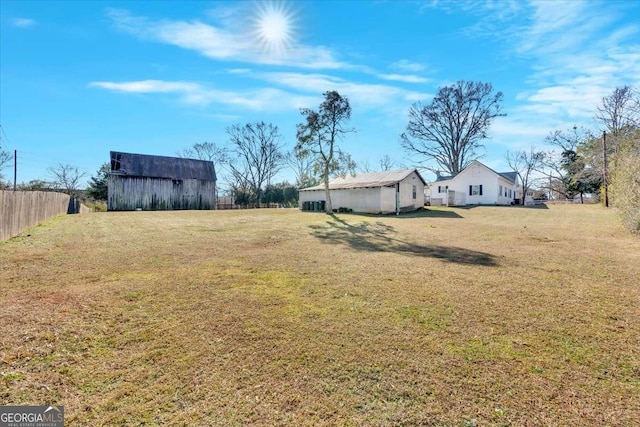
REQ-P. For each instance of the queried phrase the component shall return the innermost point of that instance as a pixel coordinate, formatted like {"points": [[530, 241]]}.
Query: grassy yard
{"points": [[454, 317]]}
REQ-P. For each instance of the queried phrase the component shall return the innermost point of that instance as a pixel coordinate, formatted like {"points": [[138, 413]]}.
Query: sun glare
{"points": [[274, 27]]}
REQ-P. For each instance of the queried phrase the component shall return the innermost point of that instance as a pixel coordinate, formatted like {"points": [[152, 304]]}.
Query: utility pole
{"points": [[15, 168], [604, 171]]}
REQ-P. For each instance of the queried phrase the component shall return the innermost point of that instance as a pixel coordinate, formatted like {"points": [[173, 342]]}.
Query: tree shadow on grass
{"points": [[469, 207], [433, 213], [420, 213], [381, 237]]}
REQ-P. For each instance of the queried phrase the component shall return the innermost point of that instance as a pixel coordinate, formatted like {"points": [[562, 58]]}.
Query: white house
{"points": [[477, 184], [379, 192]]}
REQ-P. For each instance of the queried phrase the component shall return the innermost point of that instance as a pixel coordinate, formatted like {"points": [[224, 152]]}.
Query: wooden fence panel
{"points": [[20, 210]]}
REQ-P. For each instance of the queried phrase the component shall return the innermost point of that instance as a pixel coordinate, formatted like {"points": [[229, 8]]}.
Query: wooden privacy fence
{"points": [[20, 210]]}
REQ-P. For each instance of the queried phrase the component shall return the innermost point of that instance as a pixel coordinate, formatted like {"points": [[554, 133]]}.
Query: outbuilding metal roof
{"points": [[144, 165], [367, 180]]}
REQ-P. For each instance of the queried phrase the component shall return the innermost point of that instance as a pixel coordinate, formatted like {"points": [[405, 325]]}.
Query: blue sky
{"points": [[78, 79]]}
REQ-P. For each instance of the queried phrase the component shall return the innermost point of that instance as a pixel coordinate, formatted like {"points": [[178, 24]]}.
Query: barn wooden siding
{"points": [[127, 193]]}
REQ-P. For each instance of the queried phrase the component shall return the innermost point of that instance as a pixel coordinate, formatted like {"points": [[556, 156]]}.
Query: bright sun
{"points": [[274, 27]]}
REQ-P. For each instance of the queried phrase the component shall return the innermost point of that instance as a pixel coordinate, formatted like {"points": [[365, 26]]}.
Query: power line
{"points": [[2, 132]]}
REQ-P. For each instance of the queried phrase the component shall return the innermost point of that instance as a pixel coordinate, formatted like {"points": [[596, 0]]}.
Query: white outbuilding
{"points": [[378, 193]]}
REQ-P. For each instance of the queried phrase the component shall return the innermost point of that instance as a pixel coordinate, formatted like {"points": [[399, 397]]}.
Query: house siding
{"points": [[373, 199], [388, 199], [407, 201], [358, 199]]}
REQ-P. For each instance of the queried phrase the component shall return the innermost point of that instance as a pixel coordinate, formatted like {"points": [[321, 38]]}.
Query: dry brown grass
{"points": [[482, 316]]}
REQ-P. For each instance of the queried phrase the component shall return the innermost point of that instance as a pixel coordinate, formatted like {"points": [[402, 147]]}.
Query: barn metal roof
{"points": [[367, 180], [144, 165]]}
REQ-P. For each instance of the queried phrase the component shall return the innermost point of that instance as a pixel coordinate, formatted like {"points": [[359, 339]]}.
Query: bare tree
{"points": [[524, 164], [5, 158], [618, 110], [451, 128], [620, 115], [208, 151], [384, 164], [568, 140], [36, 185], [303, 167], [66, 177], [365, 167], [256, 156], [318, 137], [574, 165]]}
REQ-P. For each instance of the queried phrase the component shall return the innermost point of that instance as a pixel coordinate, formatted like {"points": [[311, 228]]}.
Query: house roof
{"points": [[509, 176], [144, 165], [367, 180]]}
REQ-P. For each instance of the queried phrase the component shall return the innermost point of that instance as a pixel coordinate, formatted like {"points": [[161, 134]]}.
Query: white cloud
{"points": [[365, 95], [23, 22], [149, 86], [403, 78], [222, 42], [196, 94], [404, 65], [579, 51], [417, 96]]}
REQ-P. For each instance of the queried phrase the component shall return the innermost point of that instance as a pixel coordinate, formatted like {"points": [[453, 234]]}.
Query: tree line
{"points": [[443, 136]]}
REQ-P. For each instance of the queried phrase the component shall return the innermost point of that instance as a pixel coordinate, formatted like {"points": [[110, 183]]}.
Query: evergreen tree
{"points": [[98, 184]]}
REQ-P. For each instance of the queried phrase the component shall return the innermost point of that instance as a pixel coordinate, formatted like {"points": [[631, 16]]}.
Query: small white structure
{"points": [[477, 184], [379, 192]]}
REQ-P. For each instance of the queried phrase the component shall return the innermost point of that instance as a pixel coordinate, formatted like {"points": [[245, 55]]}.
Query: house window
{"points": [[443, 189], [509, 193], [500, 191], [414, 192], [475, 190]]}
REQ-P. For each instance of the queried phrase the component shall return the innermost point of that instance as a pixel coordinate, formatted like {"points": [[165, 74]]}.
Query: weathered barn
{"points": [[140, 181], [380, 192]]}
